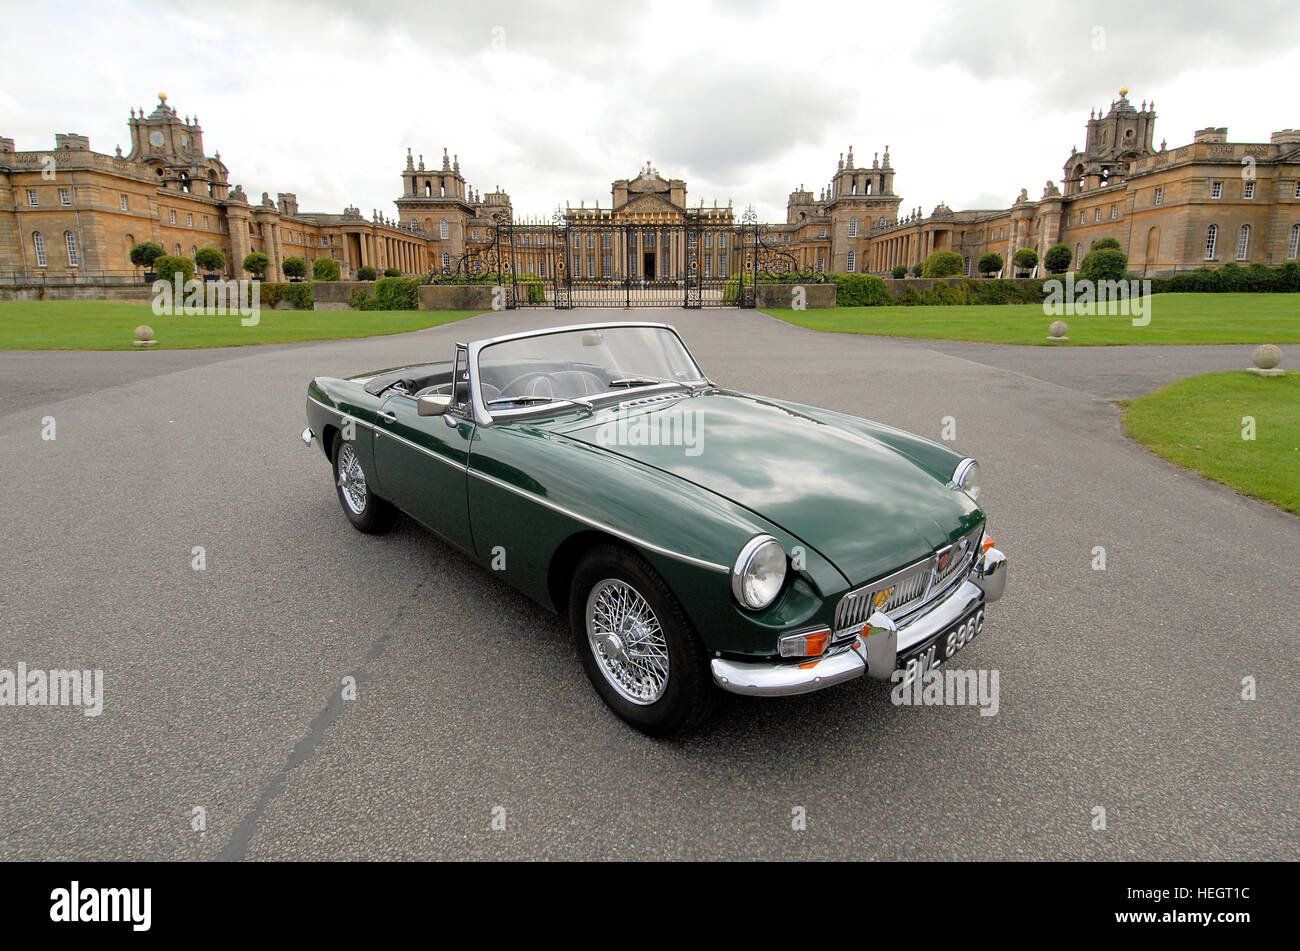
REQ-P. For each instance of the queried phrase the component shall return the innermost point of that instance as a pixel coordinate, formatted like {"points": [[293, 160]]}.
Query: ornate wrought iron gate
{"points": [[701, 260]]}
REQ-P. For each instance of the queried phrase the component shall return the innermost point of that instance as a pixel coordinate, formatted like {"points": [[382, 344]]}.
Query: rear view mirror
{"points": [[592, 338], [432, 405]]}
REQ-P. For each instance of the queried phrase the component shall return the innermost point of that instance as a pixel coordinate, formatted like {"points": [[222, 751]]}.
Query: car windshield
{"points": [[579, 365]]}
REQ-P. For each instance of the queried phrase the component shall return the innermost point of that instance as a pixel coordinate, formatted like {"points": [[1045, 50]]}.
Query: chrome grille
{"points": [[909, 589]]}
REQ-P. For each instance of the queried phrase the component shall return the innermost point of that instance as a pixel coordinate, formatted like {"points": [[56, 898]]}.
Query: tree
{"points": [[1057, 259], [899, 272], [916, 269], [990, 263], [168, 265], [294, 268], [1101, 244], [145, 253], [392, 272], [1104, 264], [366, 273], [325, 269], [256, 264], [1024, 260], [210, 259], [942, 264]]}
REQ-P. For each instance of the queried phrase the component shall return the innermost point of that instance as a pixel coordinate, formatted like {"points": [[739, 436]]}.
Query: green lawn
{"points": [[1198, 423], [110, 325], [1175, 318]]}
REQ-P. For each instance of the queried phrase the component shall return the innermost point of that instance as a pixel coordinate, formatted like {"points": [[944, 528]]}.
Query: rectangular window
{"points": [[606, 264], [1250, 190], [1216, 189], [1114, 212], [171, 217], [606, 240], [38, 242], [591, 265], [821, 233], [1160, 196], [1243, 242], [577, 264], [1097, 214], [1293, 248], [541, 269], [72, 248], [189, 219], [65, 197], [122, 201], [31, 197], [1297, 189], [1083, 217], [708, 265], [1211, 237], [205, 221]]}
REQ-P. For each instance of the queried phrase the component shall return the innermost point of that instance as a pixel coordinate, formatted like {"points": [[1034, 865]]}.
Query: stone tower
{"points": [[1113, 142], [173, 147]]}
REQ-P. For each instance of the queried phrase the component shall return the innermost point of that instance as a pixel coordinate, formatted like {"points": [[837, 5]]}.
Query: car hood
{"points": [[862, 504]]}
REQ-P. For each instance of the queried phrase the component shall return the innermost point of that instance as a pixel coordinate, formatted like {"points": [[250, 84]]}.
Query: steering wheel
{"points": [[508, 389]]}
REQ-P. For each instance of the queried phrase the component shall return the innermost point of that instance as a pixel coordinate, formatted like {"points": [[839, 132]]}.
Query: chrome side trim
{"points": [[424, 449], [618, 533], [783, 680], [335, 409]]}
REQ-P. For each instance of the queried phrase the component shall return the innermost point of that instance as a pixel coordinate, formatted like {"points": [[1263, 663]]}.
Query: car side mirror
{"points": [[432, 405]]}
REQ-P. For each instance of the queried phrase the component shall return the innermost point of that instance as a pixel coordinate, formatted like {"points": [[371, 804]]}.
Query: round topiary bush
{"points": [[325, 269], [1057, 259], [1101, 244], [169, 265], [210, 259], [145, 253], [899, 271], [1104, 264], [294, 268], [989, 263], [1025, 259], [256, 263], [942, 264], [366, 273]]}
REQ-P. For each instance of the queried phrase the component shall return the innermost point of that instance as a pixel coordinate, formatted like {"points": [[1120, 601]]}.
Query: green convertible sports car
{"points": [[696, 537]]}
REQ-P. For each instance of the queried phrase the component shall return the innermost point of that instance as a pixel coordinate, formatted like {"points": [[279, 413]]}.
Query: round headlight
{"points": [[759, 572], [967, 478]]}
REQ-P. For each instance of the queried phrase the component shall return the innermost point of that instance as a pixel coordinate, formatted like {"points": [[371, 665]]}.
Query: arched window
{"points": [[853, 261], [853, 227], [446, 261], [1211, 237], [1293, 248], [967, 267], [1243, 242], [442, 229], [38, 242], [1078, 254], [194, 251], [428, 189], [70, 240], [176, 249]]}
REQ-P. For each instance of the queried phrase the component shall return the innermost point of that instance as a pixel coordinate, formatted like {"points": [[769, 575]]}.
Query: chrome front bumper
{"points": [[875, 652]]}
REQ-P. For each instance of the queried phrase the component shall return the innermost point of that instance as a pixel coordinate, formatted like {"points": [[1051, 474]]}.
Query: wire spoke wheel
{"points": [[352, 480], [627, 641]]}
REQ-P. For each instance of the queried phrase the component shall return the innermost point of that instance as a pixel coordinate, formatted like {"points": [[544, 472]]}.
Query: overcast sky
{"points": [[745, 99]]}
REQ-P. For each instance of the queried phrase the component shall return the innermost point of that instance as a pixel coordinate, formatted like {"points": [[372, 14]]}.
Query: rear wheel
{"points": [[366, 511], [637, 645]]}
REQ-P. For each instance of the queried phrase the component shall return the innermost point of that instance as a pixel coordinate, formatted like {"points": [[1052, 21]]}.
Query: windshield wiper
{"points": [[530, 400], [636, 381]]}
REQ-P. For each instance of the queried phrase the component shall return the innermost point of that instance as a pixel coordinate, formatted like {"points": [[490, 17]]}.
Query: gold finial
{"points": [[1123, 91], [162, 97]]}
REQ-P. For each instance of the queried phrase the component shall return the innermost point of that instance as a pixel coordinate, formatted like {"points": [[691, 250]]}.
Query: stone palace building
{"points": [[73, 214]]}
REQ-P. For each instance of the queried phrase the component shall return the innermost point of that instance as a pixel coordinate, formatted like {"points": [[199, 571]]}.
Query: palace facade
{"points": [[70, 213]]}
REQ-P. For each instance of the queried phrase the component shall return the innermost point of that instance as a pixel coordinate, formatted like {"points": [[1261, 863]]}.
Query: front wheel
{"points": [[637, 645], [366, 511]]}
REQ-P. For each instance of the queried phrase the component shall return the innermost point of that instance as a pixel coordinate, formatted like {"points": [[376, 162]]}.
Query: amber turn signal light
{"points": [[807, 644]]}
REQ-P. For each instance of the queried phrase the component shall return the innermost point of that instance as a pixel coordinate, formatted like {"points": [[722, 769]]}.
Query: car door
{"points": [[421, 463]]}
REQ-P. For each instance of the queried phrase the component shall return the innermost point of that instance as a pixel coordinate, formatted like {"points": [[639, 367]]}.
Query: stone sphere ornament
{"points": [[1058, 330], [144, 336], [1266, 359]]}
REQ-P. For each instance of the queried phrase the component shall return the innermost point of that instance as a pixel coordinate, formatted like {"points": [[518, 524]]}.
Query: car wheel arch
{"points": [[566, 558]]}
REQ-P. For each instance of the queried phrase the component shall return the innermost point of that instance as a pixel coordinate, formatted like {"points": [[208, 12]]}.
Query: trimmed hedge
{"points": [[860, 290], [299, 295], [325, 269], [391, 293], [942, 264]]}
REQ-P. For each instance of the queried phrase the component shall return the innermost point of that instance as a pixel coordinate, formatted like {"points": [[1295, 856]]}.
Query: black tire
{"points": [[375, 515], [687, 697]]}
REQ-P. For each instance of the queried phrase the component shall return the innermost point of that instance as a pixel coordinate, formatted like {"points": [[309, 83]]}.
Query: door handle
{"points": [[388, 417]]}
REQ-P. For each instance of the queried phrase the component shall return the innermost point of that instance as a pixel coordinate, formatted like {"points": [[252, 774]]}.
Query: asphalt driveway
{"points": [[1119, 689]]}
